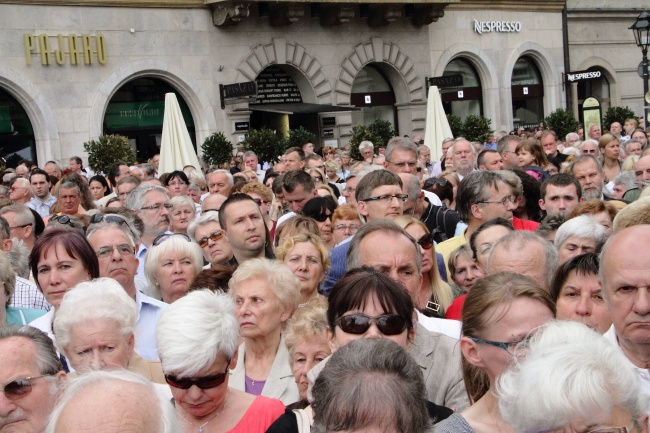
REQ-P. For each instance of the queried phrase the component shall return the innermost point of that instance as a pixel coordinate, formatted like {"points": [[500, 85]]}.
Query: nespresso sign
{"points": [[481, 27], [62, 49]]}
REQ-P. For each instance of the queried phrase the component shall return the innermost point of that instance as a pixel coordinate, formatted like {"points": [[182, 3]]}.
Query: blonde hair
{"points": [[307, 322], [288, 244]]}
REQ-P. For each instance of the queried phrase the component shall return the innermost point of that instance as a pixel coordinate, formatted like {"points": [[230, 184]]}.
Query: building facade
{"points": [[72, 72]]}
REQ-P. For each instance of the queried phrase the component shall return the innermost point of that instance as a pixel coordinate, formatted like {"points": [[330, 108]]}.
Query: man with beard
{"points": [[589, 172], [151, 204]]}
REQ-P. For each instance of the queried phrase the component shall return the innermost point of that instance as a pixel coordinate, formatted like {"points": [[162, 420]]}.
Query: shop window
{"points": [[16, 132], [527, 94], [373, 94], [137, 111], [464, 99], [597, 88]]}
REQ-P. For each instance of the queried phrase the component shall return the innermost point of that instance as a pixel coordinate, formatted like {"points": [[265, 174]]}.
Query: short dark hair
{"points": [[76, 159], [440, 187], [480, 160], [293, 178], [301, 153], [357, 285], [486, 225], [472, 190], [317, 205], [176, 174], [41, 172], [114, 171], [101, 179], [560, 179], [75, 244], [373, 180], [584, 264], [235, 198]]}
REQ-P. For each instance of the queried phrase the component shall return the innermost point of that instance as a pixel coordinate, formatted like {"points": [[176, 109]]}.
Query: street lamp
{"points": [[641, 29]]}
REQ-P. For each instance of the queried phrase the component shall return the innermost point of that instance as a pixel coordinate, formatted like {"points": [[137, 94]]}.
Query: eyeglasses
{"points": [[629, 429], [162, 238], [259, 201], [123, 249], [504, 201], [157, 207], [322, 217], [205, 382], [387, 198], [357, 324], [114, 219], [19, 388], [64, 219], [214, 236], [426, 241], [509, 347], [14, 188], [403, 164], [343, 227], [317, 178], [349, 189], [20, 226]]}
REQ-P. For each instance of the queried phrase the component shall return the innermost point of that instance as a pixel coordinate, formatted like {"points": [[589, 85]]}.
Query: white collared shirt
{"points": [[642, 373]]}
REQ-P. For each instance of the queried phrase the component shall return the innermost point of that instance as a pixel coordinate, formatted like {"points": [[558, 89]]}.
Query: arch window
{"points": [[464, 99], [527, 94], [16, 132], [374, 95]]}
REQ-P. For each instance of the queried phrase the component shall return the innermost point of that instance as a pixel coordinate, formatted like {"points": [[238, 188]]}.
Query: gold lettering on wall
{"points": [[61, 49]]}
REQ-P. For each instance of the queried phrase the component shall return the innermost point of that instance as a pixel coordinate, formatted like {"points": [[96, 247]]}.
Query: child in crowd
{"points": [[532, 158]]}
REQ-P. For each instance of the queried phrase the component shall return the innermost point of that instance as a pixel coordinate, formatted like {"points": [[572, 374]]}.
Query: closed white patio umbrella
{"points": [[176, 148], [436, 125]]}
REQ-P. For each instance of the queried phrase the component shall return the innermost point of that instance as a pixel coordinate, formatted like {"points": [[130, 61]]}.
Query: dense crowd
{"points": [[502, 288]]}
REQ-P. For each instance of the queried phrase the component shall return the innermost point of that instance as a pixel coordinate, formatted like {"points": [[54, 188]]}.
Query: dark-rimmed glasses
{"points": [[509, 347], [357, 324], [205, 382], [387, 198], [157, 207], [162, 238], [19, 388], [214, 236]]}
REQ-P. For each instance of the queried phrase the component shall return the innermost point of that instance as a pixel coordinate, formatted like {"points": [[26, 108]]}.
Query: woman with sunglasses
{"points": [[266, 293], [206, 232], [177, 183], [171, 264], [435, 295], [197, 341], [61, 258], [321, 210], [500, 312], [308, 259]]}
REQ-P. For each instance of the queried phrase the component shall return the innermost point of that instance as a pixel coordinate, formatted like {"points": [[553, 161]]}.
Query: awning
{"points": [[299, 108]]}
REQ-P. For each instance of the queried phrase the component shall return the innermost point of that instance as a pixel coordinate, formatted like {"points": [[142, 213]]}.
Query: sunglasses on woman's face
{"points": [[214, 236], [357, 324], [426, 241], [322, 217], [205, 382]]}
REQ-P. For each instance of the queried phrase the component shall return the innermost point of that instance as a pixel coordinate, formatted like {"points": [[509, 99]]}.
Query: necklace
{"points": [[200, 429], [494, 419]]}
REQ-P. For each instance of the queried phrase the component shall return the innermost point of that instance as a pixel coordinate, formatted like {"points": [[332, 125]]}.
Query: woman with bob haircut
{"points": [[345, 222], [266, 293], [206, 232], [579, 235], [95, 329], [61, 258], [435, 295], [295, 226], [177, 183], [197, 341], [182, 213], [308, 259], [500, 311], [321, 210], [577, 292], [581, 383], [603, 212], [171, 264]]}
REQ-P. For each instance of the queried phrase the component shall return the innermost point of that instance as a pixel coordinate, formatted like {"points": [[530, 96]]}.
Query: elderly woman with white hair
{"points": [[207, 233], [572, 380], [197, 341], [182, 213], [266, 293], [171, 264], [95, 329], [579, 235]]}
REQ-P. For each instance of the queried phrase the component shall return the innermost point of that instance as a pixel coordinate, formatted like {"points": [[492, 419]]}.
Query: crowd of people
{"points": [[503, 288]]}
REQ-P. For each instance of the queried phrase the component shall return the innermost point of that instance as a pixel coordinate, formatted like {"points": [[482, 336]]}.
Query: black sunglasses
{"points": [[205, 382], [214, 236], [19, 388], [322, 217], [113, 219], [357, 324], [426, 241]]}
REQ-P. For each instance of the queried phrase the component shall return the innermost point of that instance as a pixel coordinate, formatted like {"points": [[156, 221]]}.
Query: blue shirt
{"points": [[149, 310]]}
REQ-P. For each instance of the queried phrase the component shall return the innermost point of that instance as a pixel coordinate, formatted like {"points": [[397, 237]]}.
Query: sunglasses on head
{"points": [[19, 388], [214, 236], [205, 382], [113, 219], [162, 238], [426, 241], [357, 324]]}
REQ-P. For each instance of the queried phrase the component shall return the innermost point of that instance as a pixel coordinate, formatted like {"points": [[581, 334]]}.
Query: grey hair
{"points": [[182, 200], [47, 360], [473, 189], [194, 330], [68, 185], [385, 226], [168, 421], [461, 139], [19, 257], [7, 276], [626, 143], [365, 144], [513, 180], [571, 134], [231, 180], [100, 299], [5, 231], [412, 186], [130, 231], [135, 199], [626, 178], [281, 280], [202, 220], [400, 143], [23, 215], [584, 158], [370, 382], [519, 240], [576, 375], [174, 244], [582, 226]]}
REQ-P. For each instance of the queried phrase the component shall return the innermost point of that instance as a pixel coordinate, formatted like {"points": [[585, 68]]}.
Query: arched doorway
{"points": [[374, 95], [136, 111], [465, 99], [597, 88], [527, 94], [16, 132]]}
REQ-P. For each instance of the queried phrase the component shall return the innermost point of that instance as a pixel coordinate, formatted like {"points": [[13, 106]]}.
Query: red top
{"points": [[259, 416], [520, 224], [455, 310]]}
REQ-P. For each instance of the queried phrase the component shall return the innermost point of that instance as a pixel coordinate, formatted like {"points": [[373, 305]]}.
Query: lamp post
{"points": [[641, 29]]}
